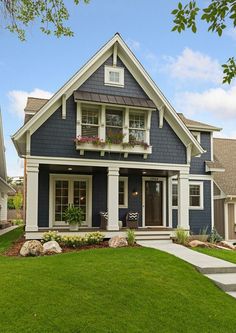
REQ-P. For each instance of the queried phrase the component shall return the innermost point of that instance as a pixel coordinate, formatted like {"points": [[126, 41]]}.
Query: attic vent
{"points": [[114, 76]]}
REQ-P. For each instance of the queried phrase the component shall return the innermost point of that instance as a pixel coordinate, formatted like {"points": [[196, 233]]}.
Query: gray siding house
{"points": [[109, 141]]}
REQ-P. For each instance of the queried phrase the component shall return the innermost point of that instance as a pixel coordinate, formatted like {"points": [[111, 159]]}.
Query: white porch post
{"points": [[183, 200], [113, 198], [32, 171]]}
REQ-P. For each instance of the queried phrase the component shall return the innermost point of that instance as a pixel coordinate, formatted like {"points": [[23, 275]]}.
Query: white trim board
{"points": [[141, 76]]}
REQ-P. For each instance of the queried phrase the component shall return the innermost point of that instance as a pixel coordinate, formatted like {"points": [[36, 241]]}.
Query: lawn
{"points": [[219, 253], [128, 290]]}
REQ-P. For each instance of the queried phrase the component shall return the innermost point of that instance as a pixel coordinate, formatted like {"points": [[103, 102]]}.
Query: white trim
{"points": [[197, 135], [196, 177], [63, 106], [169, 180], [212, 205], [212, 147], [136, 70], [70, 179], [155, 179], [112, 198], [115, 51], [119, 70], [107, 163], [226, 217], [32, 171], [126, 191]]}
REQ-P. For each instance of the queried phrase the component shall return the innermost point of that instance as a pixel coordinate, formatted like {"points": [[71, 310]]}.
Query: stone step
{"points": [[152, 237], [216, 270], [226, 281]]}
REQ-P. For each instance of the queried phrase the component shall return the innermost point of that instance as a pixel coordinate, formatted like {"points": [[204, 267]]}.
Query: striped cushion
{"points": [[132, 216]]}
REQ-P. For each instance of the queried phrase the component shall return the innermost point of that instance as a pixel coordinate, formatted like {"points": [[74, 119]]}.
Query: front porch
{"points": [[102, 186]]}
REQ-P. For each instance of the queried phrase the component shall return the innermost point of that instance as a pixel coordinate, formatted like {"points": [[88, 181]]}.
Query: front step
{"points": [[226, 282], [216, 270], [152, 236]]}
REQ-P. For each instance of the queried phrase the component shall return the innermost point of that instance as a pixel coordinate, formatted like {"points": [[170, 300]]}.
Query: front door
{"points": [[153, 203]]}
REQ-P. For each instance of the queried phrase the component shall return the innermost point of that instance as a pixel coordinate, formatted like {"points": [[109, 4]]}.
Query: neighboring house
{"points": [[225, 188], [133, 152], [4, 187]]}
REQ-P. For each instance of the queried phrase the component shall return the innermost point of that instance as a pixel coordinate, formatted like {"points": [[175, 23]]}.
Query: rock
{"points": [[197, 243], [51, 247], [31, 248], [228, 245], [118, 241]]}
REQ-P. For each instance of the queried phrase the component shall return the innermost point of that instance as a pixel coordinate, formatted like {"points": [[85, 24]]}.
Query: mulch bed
{"points": [[14, 250]]}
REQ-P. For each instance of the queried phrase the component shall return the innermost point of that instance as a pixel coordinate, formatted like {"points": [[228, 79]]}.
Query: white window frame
{"points": [[201, 207], [125, 180], [174, 183], [70, 179], [92, 109], [144, 129], [119, 70], [201, 184]]}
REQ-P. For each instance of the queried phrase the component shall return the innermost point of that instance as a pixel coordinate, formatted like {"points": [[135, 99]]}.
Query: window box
{"points": [[95, 144]]}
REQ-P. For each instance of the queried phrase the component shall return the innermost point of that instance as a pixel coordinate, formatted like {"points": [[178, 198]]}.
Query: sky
{"points": [[186, 67]]}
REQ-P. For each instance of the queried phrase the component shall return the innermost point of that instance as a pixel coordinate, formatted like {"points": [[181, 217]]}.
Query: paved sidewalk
{"points": [[6, 230], [222, 272]]}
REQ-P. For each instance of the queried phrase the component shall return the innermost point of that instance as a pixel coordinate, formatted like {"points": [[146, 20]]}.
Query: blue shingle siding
{"points": [[96, 83], [56, 138], [43, 198], [99, 197], [198, 219], [198, 163]]}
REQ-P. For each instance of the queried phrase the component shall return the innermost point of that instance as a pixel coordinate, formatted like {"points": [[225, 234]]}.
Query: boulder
{"points": [[31, 248], [197, 243], [228, 245], [118, 241], [51, 247]]}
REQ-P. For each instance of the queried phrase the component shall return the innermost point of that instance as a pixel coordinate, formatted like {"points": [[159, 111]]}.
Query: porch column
{"points": [[32, 171], [183, 200], [113, 198]]}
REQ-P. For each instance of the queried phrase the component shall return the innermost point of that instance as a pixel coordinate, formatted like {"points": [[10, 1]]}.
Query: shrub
{"points": [[94, 237], [10, 203], [51, 235], [182, 236], [74, 241], [130, 237], [214, 236], [17, 222]]}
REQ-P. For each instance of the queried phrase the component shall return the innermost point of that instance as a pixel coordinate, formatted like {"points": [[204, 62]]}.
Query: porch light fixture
{"points": [[70, 169], [144, 172], [134, 192]]}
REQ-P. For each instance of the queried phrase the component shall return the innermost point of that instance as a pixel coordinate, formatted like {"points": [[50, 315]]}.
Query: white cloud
{"points": [[193, 65], [221, 103], [133, 44], [18, 99]]}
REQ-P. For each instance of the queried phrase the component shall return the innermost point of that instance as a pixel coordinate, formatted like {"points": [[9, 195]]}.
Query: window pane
{"points": [[174, 195], [90, 117], [61, 199], [121, 186], [121, 199], [114, 118], [114, 76], [194, 189], [136, 135], [195, 201], [136, 120], [89, 131]]}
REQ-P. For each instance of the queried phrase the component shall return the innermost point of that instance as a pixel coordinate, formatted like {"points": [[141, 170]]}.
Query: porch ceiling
{"points": [[92, 170]]}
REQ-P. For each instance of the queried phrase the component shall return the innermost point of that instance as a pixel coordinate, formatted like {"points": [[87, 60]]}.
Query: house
{"points": [[109, 141], [225, 188], [4, 187]]}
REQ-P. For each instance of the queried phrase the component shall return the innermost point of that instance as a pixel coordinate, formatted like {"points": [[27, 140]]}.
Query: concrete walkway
{"points": [[6, 230], [222, 272]]}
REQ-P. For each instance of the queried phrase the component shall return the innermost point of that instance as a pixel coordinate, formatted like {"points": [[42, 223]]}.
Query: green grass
{"points": [[110, 290], [219, 253], [7, 239]]}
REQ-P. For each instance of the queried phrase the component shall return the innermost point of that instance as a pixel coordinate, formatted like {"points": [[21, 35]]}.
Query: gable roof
{"points": [[141, 76], [198, 126], [225, 152]]}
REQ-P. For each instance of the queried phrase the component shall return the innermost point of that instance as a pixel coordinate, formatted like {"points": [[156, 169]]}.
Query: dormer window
{"points": [[114, 76], [90, 121]]}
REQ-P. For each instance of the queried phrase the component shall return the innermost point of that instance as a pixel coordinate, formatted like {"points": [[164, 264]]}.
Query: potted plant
{"points": [[73, 216]]}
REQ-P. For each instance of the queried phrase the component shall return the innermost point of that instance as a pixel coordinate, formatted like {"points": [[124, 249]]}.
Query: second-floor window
{"points": [[136, 126], [114, 125], [90, 122]]}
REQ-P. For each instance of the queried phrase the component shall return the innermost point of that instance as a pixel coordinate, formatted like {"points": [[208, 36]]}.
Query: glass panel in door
{"points": [[61, 199], [80, 196], [153, 203]]}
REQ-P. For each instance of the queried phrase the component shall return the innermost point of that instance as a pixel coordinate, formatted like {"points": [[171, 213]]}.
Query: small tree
{"points": [[18, 202]]}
